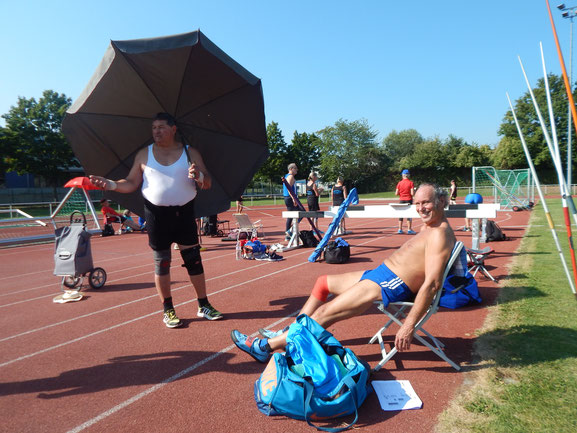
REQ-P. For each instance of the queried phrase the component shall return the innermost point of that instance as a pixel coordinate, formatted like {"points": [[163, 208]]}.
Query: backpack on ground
{"points": [[316, 379], [309, 239], [493, 232], [459, 291], [107, 230], [337, 251]]}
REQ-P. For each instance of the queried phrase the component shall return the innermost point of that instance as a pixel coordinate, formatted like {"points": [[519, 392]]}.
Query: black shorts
{"points": [[313, 203], [170, 224]]}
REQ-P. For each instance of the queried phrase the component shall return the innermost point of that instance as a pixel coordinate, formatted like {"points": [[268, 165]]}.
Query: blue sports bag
{"points": [[460, 291], [315, 379]]}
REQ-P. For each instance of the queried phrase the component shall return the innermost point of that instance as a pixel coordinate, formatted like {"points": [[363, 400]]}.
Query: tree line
{"points": [[32, 142]]}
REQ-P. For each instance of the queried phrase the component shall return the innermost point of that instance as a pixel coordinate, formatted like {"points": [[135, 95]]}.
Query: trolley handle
{"points": [[77, 220]]}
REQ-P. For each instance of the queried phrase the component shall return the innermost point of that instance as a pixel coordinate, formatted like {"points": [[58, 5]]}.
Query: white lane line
{"points": [[92, 334], [153, 313], [148, 265], [30, 331]]}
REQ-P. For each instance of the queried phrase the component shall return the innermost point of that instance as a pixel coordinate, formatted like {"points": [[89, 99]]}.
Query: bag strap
{"points": [[308, 390]]}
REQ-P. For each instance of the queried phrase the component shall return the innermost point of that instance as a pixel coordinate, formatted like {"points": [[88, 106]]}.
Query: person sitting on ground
{"points": [[415, 269], [128, 215], [111, 216]]}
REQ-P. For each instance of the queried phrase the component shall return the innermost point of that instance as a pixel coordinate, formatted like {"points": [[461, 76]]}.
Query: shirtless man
{"points": [[169, 179], [416, 268]]}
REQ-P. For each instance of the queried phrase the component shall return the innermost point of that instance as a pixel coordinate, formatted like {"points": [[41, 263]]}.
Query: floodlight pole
{"points": [[570, 13]]}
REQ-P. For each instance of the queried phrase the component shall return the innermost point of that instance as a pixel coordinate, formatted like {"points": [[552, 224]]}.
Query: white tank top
{"points": [[167, 185]]}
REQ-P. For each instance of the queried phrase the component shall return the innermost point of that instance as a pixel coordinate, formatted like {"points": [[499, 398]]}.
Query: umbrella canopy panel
{"points": [[217, 103]]}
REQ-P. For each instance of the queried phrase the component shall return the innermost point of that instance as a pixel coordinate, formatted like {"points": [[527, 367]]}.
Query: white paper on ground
{"points": [[396, 395]]}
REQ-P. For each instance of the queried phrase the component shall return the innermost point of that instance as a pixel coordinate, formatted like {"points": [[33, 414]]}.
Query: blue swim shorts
{"points": [[393, 289]]}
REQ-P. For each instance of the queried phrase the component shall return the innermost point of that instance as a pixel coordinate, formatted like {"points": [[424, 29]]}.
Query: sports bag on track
{"points": [[459, 291], [308, 238], [493, 232], [337, 251], [315, 379]]}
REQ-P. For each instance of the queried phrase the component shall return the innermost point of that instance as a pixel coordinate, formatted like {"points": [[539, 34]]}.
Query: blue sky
{"points": [[440, 67]]}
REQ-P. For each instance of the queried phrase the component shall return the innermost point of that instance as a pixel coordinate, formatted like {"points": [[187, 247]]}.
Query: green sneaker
{"points": [[171, 320], [209, 312]]}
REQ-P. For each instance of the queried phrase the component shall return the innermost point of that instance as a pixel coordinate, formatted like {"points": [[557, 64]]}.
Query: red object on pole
{"points": [[80, 182]]}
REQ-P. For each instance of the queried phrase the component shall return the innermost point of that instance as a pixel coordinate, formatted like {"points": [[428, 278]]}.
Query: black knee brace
{"points": [[161, 262], [192, 260]]}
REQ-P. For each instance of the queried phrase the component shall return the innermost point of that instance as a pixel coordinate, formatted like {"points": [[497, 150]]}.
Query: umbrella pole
{"points": [[544, 202]]}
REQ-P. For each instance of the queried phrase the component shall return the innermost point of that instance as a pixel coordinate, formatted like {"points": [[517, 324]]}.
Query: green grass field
{"points": [[524, 378]]}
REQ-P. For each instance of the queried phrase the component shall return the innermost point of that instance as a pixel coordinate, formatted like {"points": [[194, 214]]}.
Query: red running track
{"points": [[108, 364]]}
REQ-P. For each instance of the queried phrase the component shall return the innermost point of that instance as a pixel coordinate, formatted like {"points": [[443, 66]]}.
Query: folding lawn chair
{"points": [[246, 230], [457, 261], [477, 260], [245, 225]]}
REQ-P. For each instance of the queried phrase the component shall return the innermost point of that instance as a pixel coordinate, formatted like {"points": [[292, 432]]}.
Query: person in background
{"points": [[111, 216], [338, 195], [313, 195], [453, 193], [128, 215], [289, 202], [405, 190], [239, 204]]}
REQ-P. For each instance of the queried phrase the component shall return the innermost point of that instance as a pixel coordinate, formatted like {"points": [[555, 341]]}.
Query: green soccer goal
{"points": [[513, 189]]}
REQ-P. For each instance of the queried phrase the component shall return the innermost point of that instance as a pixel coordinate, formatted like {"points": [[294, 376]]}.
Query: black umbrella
{"points": [[218, 106]]}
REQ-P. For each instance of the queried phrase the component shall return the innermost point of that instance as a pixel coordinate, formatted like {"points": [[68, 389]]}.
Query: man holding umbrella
{"points": [[170, 174]]}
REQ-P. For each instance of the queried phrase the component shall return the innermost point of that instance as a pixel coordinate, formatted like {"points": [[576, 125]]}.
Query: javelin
{"points": [[545, 208], [563, 70], [562, 184]]}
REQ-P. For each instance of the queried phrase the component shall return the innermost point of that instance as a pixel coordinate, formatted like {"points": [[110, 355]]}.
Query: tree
{"points": [[350, 149], [509, 155], [275, 166], [34, 142], [429, 161], [398, 145], [304, 151], [471, 156], [531, 128]]}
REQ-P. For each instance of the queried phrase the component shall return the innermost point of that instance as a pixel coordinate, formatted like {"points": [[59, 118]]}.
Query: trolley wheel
{"points": [[516, 208], [71, 282], [220, 233], [97, 278]]}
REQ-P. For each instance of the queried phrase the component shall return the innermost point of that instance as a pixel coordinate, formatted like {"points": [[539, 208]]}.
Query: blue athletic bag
{"points": [[460, 291], [315, 379]]}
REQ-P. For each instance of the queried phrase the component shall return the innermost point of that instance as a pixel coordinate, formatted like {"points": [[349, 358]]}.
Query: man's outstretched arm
{"points": [[130, 183]]}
